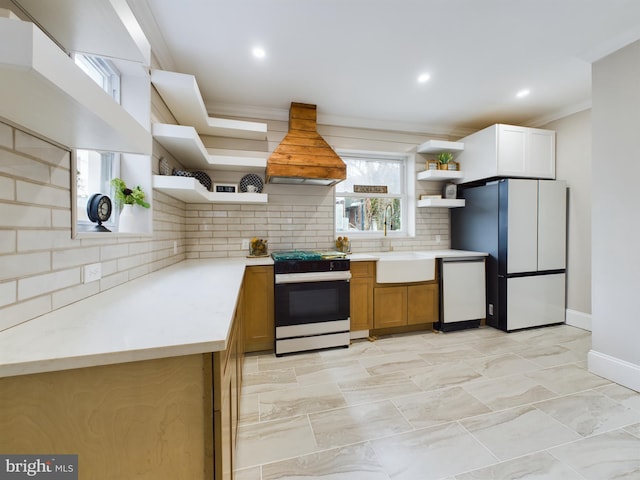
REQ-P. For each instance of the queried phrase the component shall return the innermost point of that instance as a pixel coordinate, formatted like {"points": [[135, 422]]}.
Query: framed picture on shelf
{"points": [[225, 187]]}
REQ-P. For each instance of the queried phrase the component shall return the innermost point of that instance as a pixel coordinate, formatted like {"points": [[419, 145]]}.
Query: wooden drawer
{"points": [[363, 269]]}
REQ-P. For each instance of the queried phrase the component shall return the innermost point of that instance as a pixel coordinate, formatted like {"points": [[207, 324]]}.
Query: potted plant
{"points": [[126, 198], [445, 161]]}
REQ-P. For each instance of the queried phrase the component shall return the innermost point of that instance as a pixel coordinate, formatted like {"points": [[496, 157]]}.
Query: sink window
{"points": [[361, 208]]}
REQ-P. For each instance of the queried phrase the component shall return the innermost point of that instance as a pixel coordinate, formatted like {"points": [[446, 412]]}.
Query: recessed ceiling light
{"points": [[258, 52], [523, 93], [423, 78]]}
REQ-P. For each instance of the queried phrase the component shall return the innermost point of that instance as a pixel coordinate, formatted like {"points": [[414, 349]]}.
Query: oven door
{"points": [[311, 302]]}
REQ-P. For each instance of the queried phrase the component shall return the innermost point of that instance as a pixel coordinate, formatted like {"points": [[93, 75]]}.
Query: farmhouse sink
{"points": [[404, 267]]}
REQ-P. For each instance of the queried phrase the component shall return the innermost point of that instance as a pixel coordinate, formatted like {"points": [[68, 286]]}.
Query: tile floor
{"points": [[468, 405]]}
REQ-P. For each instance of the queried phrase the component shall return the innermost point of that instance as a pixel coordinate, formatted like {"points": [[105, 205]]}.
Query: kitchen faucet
{"points": [[387, 217]]}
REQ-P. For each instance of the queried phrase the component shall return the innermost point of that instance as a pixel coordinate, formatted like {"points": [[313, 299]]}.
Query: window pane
{"points": [[368, 214], [368, 171], [94, 171]]}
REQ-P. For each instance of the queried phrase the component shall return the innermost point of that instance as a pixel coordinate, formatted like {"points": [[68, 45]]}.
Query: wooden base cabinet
{"points": [[227, 384], [259, 329], [361, 293], [161, 419], [401, 305]]}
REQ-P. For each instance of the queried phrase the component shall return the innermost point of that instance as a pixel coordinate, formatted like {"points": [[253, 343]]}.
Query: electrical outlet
{"points": [[245, 244], [175, 247], [491, 309], [92, 272], [437, 238]]}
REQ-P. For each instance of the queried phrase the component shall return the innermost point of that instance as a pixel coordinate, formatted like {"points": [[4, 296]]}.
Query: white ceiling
{"points": [[358, 60]]}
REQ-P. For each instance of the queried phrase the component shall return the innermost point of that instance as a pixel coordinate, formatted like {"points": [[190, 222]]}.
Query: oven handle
{"points": [[313, 277]]}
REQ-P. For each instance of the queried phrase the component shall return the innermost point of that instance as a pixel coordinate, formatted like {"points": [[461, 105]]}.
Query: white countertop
{"points": [[373, 256], [184, 309]]}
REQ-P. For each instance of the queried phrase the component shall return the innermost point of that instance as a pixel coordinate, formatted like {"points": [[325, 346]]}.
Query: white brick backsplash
{"points": [[114, 251], [12, 215], [8, 293], [30, 240], [41, 284], [42, 150], [60, 177], [75, 257], [113, 280], [109, 268], [6, 136], [38, 258], [23, 311], [7, 188], [73, 294], [139, 271], [18, 166], [61, 219], [7, 240], [19, 266]]}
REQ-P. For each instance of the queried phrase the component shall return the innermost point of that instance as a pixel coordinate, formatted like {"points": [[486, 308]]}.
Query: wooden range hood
{"points": [[304, 157]]}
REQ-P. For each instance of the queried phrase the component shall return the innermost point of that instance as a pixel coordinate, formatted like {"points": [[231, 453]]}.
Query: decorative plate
{"points": [[181, 173], [163, 166], [251, 179], [204, 179]]}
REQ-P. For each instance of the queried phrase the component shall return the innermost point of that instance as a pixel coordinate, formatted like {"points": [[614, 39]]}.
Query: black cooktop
{"points": [[305, 255]]}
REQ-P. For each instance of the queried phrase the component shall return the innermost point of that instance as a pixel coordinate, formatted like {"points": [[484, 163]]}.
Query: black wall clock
{"points": [[99, 209]]}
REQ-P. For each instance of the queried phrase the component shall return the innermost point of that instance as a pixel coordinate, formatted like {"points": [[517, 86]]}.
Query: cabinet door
{"points": [[389, 307], [511, 150], [422, 304], [258, 309], [541, 153], [361, 303]]}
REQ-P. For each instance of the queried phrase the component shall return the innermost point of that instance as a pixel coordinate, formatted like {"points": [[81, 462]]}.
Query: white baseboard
{"points": [[620, 371], [578, 319]]}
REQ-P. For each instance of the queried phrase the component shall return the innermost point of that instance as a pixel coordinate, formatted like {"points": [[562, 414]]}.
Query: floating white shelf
{"points": [[181, 94], [190, 190], [238, 160], [43, 90], [439, 146], [185, 145], [441, 202], [439, 175], [104, 27]]}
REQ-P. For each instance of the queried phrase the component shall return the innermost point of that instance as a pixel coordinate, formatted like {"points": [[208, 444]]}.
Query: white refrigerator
{"points": [[521, 223]]}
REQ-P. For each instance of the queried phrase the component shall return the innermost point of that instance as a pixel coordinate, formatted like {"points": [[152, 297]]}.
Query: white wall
{"points": [[616, 217], [573, 164]]}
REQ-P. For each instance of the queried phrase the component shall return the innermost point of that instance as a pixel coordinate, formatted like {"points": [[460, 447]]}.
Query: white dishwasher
{"points": [[463, 299]]}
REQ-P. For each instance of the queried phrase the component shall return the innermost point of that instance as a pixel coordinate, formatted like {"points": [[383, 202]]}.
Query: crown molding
{"points": [[558, 114], [281, 114]]}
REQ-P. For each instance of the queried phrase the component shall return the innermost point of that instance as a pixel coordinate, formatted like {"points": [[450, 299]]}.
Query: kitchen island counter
{"points": [[183, 309]]}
